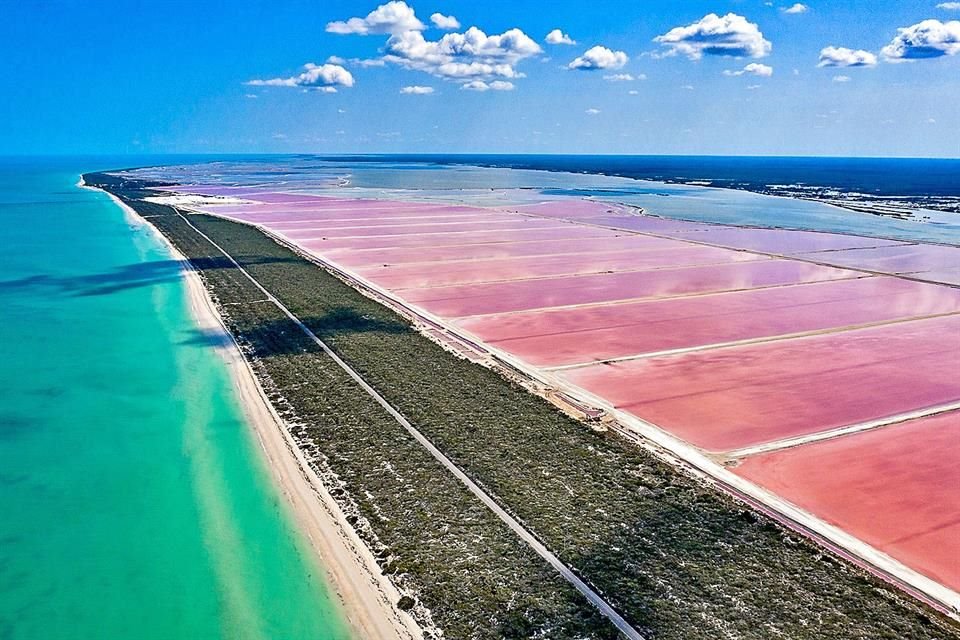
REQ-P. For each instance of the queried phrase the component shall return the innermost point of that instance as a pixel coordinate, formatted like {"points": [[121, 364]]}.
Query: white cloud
{"points": [[799, 7], [624, 77], [751, 87], [843, 57], [417, 90], [251, 96], [559, 37], [753, 69], [372, 62], [730, 35], [633, 92], [841, 78], [495, 85], [927, 39], [687, 87], [447, 23], [324, 77], [393, 17], [599, 58], [472, 55], [949, 6], [592, 111]]}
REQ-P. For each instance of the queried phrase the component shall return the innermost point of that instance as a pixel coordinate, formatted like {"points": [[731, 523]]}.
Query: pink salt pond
{"points": [[916, 258], [735, 397], [468, 300], [424, 275], [727, 338], [533, 247], [594, 333], [895, 488]]}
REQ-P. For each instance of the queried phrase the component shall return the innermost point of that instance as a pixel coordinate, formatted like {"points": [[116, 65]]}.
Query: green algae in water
{"points": [[134, 501]]}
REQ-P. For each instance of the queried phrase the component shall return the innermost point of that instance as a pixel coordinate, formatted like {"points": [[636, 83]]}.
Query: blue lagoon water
{"points": [[708, 189], [134, 501]]}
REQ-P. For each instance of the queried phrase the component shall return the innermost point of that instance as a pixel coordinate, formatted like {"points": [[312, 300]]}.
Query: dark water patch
{"points": [[13, 427], [129, 276], [206, 338], [45, 203], [12, 479], [48, 392]]}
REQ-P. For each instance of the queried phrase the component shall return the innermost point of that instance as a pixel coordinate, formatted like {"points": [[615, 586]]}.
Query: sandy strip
{"points": [[367, 599]]}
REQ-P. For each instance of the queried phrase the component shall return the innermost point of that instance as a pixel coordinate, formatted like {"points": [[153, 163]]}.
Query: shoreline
{"points": [[366, 599]]}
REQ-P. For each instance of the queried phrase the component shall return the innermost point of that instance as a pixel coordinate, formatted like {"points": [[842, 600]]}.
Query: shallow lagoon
{"points": [[497, 186], [134, 500]]}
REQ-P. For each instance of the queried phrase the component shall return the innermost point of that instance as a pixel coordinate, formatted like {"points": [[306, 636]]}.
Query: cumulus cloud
{"points": [[494, 85], [799, 7], [393, 17], [323, 77], [417, 90], [624, 77], [559, 37], [843, 57], [841, 78], [447, 23], [949, 6], [472, 55], [753, 69], [713, 35], [599, 57], [927, 39], [592, 111]]}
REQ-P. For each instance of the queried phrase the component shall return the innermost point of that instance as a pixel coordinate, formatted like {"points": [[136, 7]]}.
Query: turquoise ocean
{"points": [[134, 502]]}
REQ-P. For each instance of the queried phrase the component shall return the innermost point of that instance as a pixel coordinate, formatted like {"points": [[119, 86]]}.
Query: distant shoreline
{"points": [[871, 192], [366, 598]]}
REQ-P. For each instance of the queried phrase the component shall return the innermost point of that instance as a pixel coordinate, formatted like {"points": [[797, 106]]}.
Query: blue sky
{"points": [[175, 77]]}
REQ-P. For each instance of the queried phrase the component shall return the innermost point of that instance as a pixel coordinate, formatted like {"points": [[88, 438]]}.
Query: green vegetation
{"points": [[679, 559]]}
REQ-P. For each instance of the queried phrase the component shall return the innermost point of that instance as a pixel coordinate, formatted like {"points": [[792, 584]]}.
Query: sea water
{"points": [[134, 502]]}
